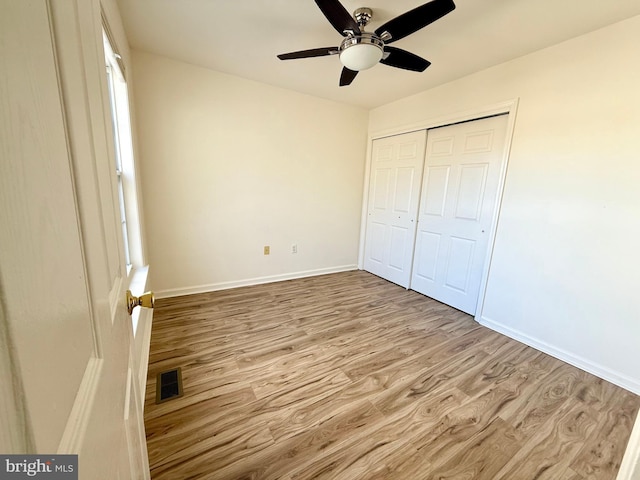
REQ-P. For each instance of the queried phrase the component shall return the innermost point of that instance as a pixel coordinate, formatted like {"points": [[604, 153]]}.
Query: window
{"points": [[125, 188], [123, 147]]}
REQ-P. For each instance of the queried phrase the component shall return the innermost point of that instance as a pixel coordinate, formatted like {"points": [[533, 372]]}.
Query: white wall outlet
{"points": [[294, 248]]}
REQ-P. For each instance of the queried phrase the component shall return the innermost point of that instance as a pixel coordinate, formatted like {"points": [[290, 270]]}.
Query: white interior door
{"points": [[64, 328], [394, 190], [457, 206]]}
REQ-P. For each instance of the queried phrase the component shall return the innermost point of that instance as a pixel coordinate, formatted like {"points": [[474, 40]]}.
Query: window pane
{"points": [[114, 76]]}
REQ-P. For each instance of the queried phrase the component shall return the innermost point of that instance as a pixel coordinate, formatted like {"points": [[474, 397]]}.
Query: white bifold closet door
{"points": [[457, 206], [394, 192]]}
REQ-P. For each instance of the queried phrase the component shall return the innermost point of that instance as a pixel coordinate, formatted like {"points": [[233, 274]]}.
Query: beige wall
{"points": [[230, 165], [566, 267]]}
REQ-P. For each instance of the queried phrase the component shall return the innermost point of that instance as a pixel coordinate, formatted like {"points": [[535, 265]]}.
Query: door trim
{"points": [[508, 107], [630, 466]]}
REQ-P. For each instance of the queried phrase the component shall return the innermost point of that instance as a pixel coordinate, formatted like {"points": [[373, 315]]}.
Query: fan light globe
{"points": [[362, 52]]}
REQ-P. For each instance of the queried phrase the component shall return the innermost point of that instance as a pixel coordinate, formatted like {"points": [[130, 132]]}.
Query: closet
{"points": [[431, 205]]}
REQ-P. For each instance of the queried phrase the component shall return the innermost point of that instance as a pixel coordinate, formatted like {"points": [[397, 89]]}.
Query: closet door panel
{"points": [[460, 187], [394, 193]]}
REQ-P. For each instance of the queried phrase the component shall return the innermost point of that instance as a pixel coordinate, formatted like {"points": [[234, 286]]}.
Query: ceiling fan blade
{"points": [[414, 20], [402, 59], [314, 52], [338, 16], [347, 76]]}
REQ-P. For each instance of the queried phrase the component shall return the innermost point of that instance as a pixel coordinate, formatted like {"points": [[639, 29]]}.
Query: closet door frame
{"points": [[508, 107]]}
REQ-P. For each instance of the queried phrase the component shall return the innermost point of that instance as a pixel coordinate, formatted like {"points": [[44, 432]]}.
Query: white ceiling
{"points": [[243, 37]]}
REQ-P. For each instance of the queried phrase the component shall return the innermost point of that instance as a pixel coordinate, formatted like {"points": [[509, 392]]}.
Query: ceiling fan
{"points": [[361, 50]]}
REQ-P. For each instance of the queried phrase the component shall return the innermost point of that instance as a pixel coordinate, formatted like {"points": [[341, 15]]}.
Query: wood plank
{"points": [[599, 456], [548, 453], [480, 456], [382, 450], [294, 454]]}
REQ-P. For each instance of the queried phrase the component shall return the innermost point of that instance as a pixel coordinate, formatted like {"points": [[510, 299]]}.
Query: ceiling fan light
{"points": [[361, 52]]}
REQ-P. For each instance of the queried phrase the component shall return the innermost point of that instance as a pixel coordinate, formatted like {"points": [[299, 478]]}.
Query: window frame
{"points": [[125, 188]]}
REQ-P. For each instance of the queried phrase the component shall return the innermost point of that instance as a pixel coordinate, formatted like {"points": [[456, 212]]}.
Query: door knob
{"points": [[145, 300]]}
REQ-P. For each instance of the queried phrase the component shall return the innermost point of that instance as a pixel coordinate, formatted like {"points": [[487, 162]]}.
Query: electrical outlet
{"points": [[294, 248], [267, 249]]}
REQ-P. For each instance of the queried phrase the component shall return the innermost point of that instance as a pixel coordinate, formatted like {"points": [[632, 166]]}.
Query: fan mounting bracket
{"points": [[363, 16]]}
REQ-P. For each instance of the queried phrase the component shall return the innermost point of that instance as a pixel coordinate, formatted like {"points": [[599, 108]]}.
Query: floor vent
{"points": [[169, 385]]}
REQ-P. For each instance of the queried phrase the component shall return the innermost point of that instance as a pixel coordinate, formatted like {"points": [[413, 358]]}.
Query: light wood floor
{"points": [[347, 376]]}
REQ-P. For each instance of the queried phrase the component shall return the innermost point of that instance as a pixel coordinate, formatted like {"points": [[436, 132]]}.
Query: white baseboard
{"points": [[630, 466], [176, 292], [605, 373]]}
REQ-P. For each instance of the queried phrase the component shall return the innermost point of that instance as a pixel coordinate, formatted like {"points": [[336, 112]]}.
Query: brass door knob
{"points": [[145, 300]]}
